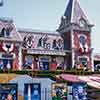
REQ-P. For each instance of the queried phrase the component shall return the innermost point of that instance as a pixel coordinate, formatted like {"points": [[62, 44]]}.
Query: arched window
{"points": [[3, 32], [7, 32], [82, 39]]}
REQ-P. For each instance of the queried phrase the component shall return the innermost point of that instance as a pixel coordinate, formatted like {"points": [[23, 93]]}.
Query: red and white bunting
{"points": [[4, 47]]}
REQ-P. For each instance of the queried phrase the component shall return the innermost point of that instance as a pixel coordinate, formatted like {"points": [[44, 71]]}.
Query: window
{"points": [[44, 63], [82, 39], [28, 62], [5, 32], [7, 61]]}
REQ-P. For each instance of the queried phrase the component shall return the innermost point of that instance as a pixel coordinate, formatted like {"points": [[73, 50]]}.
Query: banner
{"points": [[8, 91]]}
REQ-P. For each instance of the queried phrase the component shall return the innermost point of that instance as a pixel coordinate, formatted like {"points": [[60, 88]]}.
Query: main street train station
{"points": [[40, 65], [67, 47]]}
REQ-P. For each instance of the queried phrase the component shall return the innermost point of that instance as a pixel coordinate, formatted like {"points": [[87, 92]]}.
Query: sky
{"points": [[46, 15]]}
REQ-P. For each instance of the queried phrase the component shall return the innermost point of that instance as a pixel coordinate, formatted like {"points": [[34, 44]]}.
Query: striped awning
{"points": [[68, 77], [91, 80]]}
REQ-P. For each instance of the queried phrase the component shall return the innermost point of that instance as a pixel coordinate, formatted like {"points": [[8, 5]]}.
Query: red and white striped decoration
{"points": [[4, 47], [82, 50], [79, 46]]}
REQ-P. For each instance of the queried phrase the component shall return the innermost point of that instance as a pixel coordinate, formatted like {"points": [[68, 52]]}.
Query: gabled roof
{"points": [[14, 35], [37, 31], [74, 15], [74, 12], [68, 10]]}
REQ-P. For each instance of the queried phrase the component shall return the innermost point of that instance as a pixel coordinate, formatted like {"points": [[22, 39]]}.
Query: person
{"points": [[35, 62], [1, 64], [58, 95], [53, 64], [9, 97]]}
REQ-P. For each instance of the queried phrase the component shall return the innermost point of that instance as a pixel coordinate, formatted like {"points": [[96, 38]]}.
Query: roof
{"points": [[17, 33], [6, 19], [96, 56], [74, 12], [68, 10], [36, 31], [14, 34], [69, 77], [91, 80]]}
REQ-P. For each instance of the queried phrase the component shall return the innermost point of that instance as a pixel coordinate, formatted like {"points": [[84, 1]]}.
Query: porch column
{"points": [[20, 58]]}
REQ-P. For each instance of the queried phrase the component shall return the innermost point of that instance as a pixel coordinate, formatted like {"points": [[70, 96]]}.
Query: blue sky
{"points": [[46, 14]]}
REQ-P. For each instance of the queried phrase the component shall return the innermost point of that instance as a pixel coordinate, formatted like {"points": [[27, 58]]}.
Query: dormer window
{"points": [[5, 32]]}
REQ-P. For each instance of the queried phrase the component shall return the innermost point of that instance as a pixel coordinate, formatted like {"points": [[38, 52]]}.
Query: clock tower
{"points": [[75, 29]]}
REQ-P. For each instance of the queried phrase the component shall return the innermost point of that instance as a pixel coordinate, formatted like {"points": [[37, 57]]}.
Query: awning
{"points": [[69, 78], [91, 80], [47, 52]]}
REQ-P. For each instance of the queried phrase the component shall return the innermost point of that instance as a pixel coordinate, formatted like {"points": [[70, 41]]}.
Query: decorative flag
{"points": [[84, 48], [1, 2], [8, 47], [81, 49], [87, 48]]}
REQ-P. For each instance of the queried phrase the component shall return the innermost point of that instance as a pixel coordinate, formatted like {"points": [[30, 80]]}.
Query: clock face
{"points": [[82, 23]]}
